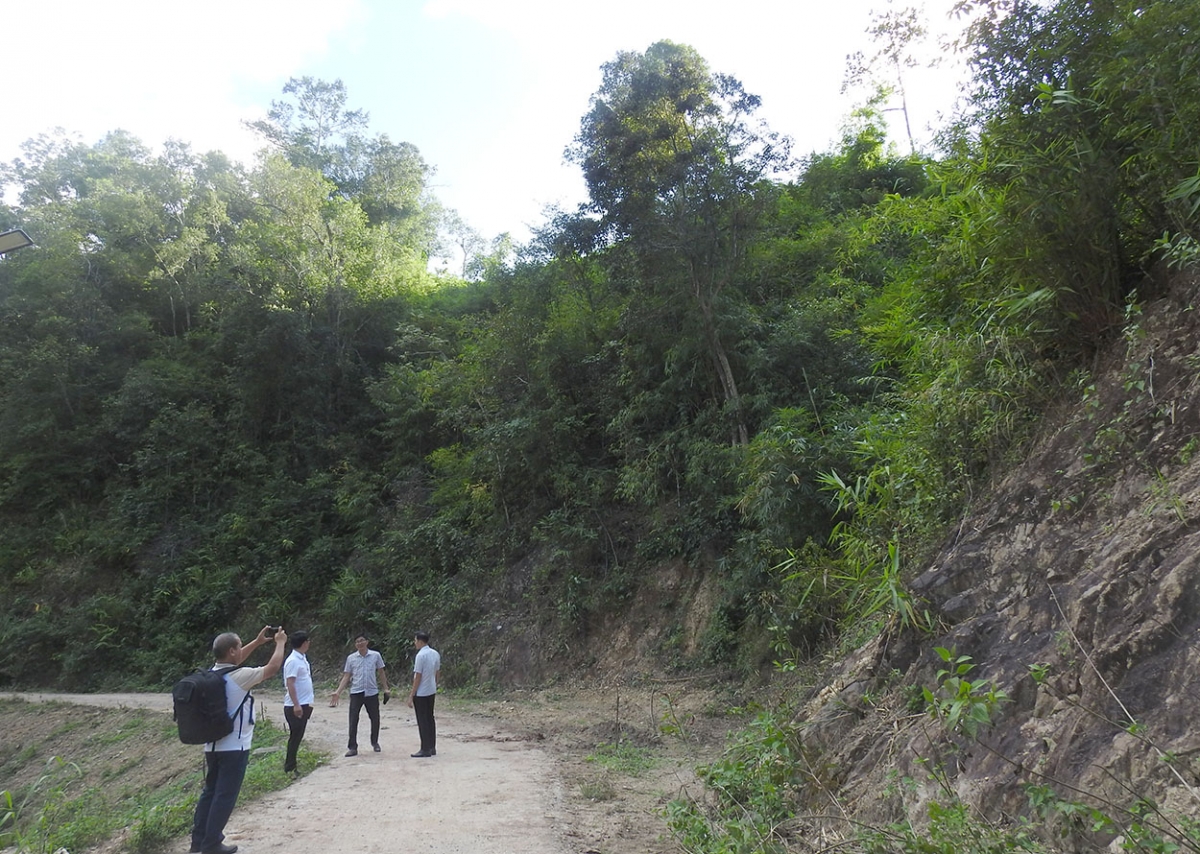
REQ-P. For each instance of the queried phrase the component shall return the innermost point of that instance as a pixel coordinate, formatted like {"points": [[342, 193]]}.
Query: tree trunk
{"points": [[716, 351]]}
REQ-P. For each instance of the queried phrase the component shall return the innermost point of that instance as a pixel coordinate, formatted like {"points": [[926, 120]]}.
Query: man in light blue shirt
{"points": [[426, 667], [364, 671]]}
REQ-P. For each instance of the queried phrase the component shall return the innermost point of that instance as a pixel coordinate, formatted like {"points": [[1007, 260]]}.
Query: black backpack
{"points": [[200, 706]]}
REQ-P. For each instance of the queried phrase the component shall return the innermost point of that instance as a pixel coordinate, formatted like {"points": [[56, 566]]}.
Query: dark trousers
{"points": [[297, 721], [222, 781], [423, 707], [357, 702]]}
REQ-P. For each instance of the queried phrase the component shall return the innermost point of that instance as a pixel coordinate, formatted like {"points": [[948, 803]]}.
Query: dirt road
{"points": [[486, 792]]}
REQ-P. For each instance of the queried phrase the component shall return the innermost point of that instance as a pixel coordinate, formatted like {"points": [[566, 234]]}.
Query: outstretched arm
{"points": [[264, 635], [272, 666], [333, 701]]}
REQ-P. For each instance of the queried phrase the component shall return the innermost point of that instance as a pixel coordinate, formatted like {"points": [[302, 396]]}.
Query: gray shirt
{"points": [[362, 670], [427, 663]]}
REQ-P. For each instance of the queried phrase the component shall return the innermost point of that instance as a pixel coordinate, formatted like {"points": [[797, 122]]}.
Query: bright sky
{"points": [[490, 91]]}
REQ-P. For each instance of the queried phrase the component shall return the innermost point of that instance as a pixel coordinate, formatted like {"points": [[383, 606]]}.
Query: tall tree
{"points": [[310, 131], [672, 162], [465, 241], [896, 34], [389, 180]]}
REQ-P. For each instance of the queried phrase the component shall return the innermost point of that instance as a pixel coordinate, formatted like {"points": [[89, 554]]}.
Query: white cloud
{"points": [[158, 69]]}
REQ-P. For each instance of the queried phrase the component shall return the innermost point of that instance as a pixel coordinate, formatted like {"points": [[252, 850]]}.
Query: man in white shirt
{"points": [[364, 671], [226, 759], [299, 697], [426, 667]]}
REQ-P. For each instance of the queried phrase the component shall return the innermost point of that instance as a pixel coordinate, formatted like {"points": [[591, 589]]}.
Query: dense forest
{"points": [[232, 395]]}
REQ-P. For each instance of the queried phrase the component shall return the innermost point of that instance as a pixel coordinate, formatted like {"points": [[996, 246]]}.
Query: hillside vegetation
{"points": [[739, 413]]}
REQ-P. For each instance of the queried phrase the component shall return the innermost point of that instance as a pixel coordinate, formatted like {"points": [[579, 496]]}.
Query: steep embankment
{"points": [[1079, 569]]}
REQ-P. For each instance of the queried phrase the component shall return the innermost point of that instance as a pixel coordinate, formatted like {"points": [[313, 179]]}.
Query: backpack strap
{"points": [[238, 710], [247, 696]]}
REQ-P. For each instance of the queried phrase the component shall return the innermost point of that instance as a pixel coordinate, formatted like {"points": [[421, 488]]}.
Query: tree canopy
{"points": [[233, 393]]}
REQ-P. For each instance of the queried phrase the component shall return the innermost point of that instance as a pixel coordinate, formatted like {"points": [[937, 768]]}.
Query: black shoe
{"points": [[421, 755], [353, 751], [195, 849], [221, 849], [433, 753], [376, 748]]}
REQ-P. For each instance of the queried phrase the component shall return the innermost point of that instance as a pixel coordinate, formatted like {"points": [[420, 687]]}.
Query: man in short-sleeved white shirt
{"points": [[298, 697], [364, 671]]}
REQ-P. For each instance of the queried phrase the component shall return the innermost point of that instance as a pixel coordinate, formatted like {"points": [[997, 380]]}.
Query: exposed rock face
{"points": [[1085, 563]]}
